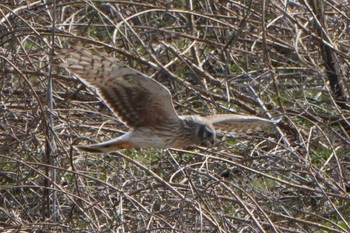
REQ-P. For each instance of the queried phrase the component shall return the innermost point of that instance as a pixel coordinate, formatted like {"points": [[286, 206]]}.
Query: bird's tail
{"points": [[106, 147], [95, 148]]}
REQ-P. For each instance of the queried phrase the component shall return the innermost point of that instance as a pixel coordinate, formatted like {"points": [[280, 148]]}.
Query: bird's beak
{"points": [[209, 142]]}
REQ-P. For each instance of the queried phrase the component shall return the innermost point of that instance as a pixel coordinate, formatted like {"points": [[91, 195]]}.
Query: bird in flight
{"points": [[146, 107]]}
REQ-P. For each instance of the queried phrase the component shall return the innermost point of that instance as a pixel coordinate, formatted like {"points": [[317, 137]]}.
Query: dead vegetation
{"points": [[272, 59]]}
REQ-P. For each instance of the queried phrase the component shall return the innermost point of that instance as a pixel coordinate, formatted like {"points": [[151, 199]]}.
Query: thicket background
{"points": [[269, 58]]}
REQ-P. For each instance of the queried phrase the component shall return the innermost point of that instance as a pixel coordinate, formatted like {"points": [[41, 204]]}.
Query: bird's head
{"points": [[202, 131], [206, 134]]}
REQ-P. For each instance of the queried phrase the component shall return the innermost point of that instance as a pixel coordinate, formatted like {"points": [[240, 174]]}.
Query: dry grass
{"points": [[251, 57]]}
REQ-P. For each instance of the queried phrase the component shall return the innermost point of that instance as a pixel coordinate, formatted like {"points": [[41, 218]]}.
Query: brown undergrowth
{"points": [[272, 59]]}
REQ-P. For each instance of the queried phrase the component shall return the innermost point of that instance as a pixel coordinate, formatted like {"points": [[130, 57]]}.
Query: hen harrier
{"points": [[146, 107]]}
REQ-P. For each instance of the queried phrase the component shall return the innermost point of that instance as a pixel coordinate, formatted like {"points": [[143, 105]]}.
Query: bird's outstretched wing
{"points": [[238, 123], [137, 99]]}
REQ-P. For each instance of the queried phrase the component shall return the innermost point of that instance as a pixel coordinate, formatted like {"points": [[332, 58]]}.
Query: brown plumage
{"points": [[146, 107]]}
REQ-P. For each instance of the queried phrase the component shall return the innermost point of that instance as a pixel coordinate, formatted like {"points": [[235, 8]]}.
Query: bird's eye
{"points": [[205, 132], [209, 134]]}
